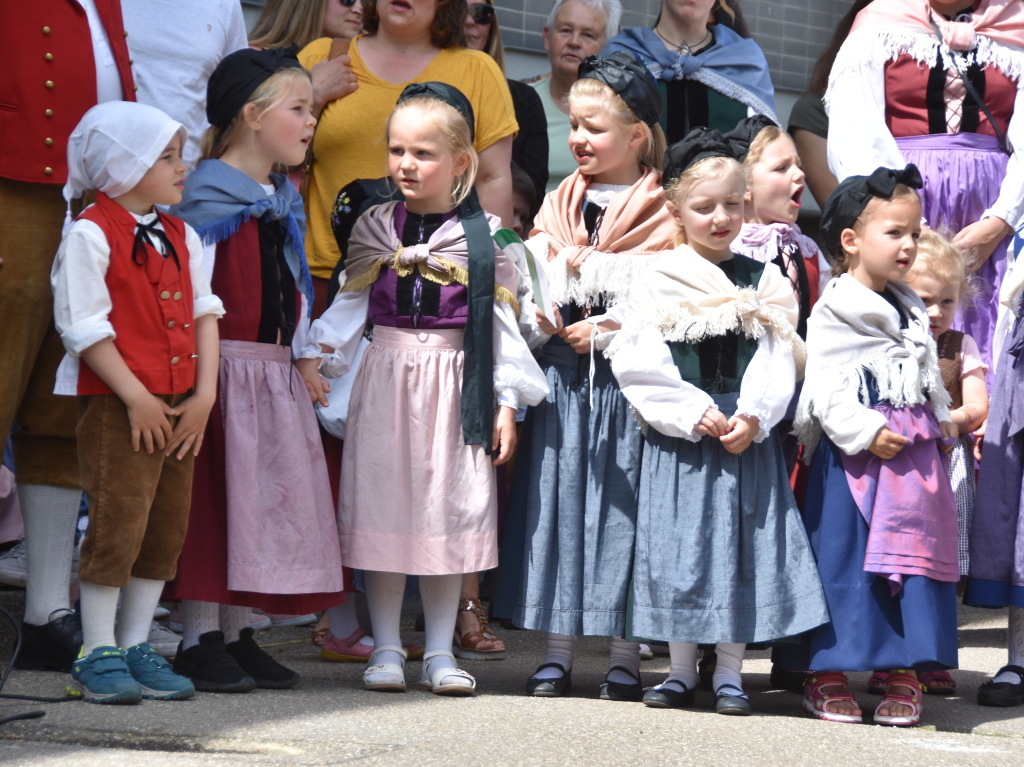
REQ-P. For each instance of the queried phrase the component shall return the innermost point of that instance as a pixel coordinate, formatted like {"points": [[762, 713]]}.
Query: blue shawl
{"points": [[219, 198], [734, 66]]}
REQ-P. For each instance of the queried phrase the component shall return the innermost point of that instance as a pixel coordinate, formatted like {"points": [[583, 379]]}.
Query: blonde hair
{"points": [[761, 142], [268, 95], [453, 126], [901, 192], [725, 7], [705, 170], [652, 150], [939, 258], [284, 22]]}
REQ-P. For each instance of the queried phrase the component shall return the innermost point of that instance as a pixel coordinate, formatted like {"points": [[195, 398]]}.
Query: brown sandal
{"points": [[468, 645]]}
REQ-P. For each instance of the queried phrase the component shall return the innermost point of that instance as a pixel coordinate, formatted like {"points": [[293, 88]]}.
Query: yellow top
{"points": [[350, 142]]}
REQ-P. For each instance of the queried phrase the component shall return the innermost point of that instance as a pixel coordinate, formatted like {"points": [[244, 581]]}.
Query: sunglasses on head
{"points": [[482, 13]]}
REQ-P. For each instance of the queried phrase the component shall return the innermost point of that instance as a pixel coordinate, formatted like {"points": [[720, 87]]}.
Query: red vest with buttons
{"points": [[48, 81], [151, 305]]}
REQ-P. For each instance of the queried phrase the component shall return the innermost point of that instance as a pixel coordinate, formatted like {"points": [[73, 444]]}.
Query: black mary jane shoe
{"points": [[790, 681], [1003, 694], [665, 697], [549, 688], [632, 691], [731, 704]]}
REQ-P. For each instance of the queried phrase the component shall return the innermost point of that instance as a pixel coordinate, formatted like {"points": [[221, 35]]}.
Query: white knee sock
{"points": [[197, 618], [627, 655], [561, 649], [50, 514], [232, 620], [1014, 645], [99, 612], [682, 674], [345, 621], [384, 593], [440, 595], [136, 614], [727, 669]]}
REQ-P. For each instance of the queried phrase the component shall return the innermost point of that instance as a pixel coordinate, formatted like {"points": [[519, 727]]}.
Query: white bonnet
{"points": [[113, 146]]}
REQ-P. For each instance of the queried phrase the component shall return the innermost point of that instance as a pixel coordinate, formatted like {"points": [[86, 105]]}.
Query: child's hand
{"points": [[577, 336], [147, 415], [503, 441], [193, 414], [742, 430], [979, 439], [316, 385], [544, 324], [887, 444], [713, 423], [950, 433]]}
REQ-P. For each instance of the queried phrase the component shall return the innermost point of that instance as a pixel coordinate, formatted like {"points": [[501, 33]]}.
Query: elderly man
{"points": [[575, 29]]}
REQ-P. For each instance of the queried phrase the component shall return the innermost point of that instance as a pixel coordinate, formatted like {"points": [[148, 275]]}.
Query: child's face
{"points": [[775, 184], [162, 184], [885, 247], [421, 163], [286, 129], [711, 215], [520, 215], [940, 299], [604, 149]]}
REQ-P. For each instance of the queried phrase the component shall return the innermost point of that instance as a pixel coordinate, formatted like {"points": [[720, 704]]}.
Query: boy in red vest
{"points": [[134, 309]]}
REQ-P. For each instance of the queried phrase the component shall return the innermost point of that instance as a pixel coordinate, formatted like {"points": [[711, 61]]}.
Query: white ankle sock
{"points": [[138, 602], [727, 669], [345, 621], [561, 649], [1014, 645], [197, 618], [682, 673], [384, 593], [627, 655], [440, 595], [50, 514], [99, 612], [232, 620]]}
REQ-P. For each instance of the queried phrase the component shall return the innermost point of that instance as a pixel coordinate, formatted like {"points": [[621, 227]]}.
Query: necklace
{"points": [[683, 49]]}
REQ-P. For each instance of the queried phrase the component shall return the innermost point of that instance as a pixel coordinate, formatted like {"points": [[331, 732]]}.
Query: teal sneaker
{"points": [[102, 676], [154, 676]]}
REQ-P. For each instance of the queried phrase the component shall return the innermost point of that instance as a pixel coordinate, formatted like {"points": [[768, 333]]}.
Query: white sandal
{"points": [[431, 681], [395, 681]]}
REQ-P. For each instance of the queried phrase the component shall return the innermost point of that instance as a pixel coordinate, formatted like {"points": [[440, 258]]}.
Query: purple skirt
{"points": [[962, 174]]}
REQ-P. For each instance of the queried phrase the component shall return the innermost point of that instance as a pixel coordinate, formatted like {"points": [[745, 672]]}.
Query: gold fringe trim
{"points": [[452, 273]]}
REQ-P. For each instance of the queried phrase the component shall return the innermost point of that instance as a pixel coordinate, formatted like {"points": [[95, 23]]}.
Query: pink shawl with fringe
{"points": [[999, 20]]}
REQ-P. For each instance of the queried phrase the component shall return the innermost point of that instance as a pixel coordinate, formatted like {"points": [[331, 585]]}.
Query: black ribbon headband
{"points": [[625, 74], [445, 93], [699, 144]]}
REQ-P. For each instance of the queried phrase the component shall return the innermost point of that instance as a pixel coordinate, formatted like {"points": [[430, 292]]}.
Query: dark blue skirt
{"points": [[870, 628]]}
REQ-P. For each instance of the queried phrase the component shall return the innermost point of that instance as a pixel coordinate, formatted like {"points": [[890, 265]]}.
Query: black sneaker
{"points": [[53, 646], [210, 666], [254, 660]]}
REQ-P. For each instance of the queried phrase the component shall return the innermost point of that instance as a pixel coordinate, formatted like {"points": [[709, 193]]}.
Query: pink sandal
{"points": [[910, 699], [929, 678], [815, 700], [876, 683]]}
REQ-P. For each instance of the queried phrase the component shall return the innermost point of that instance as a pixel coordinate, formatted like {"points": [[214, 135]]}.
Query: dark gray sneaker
{"points": [[255, 661]]}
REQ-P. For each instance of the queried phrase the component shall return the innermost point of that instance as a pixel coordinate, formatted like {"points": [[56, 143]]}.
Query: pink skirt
{"points": [[414, 499]]}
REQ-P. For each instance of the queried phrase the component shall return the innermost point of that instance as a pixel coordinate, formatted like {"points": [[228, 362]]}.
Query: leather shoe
{"points": [[790, 681], [52, 646], [632, 691], [549, 688], [1003, 694], [732, 705], [665, 697]]}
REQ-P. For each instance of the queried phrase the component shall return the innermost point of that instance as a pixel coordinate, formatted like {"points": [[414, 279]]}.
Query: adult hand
{"points": [[332, 79], [979, 239]]}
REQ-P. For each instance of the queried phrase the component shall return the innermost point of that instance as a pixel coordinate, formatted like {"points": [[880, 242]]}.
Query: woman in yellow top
{"points": [[406, 41]]}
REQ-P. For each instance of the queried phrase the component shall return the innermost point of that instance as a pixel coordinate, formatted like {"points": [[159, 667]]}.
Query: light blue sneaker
{"points": [[102, 676], [154, 676]]}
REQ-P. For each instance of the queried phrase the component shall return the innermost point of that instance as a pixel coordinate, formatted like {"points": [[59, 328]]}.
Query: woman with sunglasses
{"points": [[530, 146], [710, 73]]}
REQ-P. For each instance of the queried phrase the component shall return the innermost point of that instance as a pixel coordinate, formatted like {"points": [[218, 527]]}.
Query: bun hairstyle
{"points": [[940, 258]]}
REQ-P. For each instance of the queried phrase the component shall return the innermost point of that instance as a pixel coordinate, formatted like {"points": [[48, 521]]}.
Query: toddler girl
{"points": [[424, 433], [136, 314], [707, 357], [572, 509], [262, 530], [879, 509]]}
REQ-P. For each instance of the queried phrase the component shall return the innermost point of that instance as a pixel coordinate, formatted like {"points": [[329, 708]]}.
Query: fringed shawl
{"points": [[219, 198], [853, 337]]}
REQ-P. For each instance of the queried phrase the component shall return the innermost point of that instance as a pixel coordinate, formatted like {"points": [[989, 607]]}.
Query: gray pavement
{"points": [[328, 719]]}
